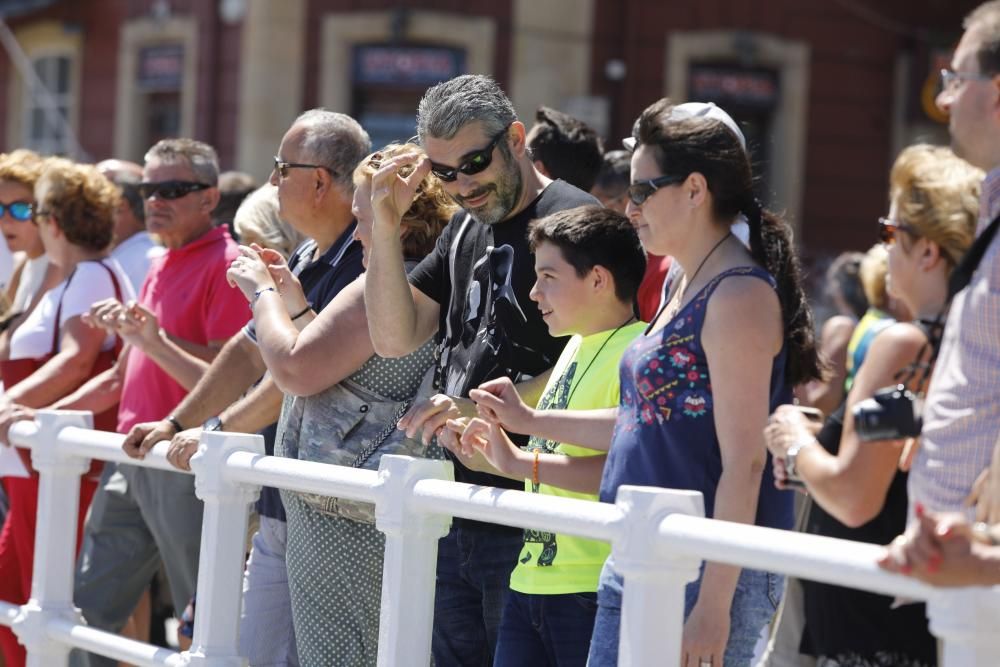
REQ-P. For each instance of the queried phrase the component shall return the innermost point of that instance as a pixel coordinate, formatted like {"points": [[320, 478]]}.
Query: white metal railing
{"points": [[659, 538]]}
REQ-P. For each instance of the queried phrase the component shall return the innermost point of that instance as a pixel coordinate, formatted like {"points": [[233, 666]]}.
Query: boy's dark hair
{"points": [[592, 235], [569, 148]]}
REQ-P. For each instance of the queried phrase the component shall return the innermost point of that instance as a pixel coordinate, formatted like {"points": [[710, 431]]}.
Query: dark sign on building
{"points": [[734, 86], [406, 65], [161, 68]]}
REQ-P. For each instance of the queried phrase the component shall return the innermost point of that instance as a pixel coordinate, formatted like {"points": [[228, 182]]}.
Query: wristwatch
{"points": [[792, 453], [212, 424]]}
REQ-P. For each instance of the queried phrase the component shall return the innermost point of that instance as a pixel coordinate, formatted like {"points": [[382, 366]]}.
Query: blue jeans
{"points": [[473, 579], [546, 630], [754, 603]]}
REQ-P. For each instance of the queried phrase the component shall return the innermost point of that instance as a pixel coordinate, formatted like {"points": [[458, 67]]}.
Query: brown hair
{"points": [[431, 210], [80, 199], [21, 166], [683, 146], [937, 194]]}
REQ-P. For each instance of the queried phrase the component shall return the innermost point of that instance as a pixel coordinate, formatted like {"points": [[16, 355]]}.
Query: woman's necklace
{"points": [[680, 297], [594, 358]]}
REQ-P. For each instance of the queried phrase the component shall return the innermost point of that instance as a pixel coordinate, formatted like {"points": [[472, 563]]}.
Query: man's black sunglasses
{"points": [[476, 162], [640, 191], [170, 189], [282, 167]]}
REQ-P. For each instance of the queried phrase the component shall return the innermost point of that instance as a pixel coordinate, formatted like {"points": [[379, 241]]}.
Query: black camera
{"points": [[892, 413]]}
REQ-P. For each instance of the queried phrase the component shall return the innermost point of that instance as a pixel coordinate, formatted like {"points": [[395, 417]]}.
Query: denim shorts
{"points": [[754, 604]]}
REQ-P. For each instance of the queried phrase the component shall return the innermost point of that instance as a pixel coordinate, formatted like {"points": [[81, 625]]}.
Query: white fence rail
{"points": [[658, 537]]}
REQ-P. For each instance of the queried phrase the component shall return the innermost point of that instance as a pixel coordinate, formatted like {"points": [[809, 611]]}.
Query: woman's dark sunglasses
{"points": [[640, 191], [19, 210], [170, 189], [477, 161], [887, 229]]}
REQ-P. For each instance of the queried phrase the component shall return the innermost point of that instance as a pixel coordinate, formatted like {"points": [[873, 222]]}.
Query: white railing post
{"points": [[223, 549], [965, 620], [55, 538], [410, 566], [652, 620]]}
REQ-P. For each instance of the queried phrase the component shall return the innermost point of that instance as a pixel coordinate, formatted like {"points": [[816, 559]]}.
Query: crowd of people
{"points": [[548, 316]]}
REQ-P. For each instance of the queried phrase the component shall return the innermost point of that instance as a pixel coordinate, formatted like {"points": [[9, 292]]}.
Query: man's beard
{"points": [[507, 188]]}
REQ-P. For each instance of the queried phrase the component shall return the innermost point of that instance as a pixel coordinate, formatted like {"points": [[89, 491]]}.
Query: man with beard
{"points": [[472, 291]]}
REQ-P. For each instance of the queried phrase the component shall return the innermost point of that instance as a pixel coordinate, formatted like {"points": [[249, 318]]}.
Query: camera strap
{"points": [[962, 274]]}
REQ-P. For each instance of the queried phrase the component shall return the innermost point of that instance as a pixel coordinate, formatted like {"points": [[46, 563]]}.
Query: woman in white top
{"points": [[53, 352], [33, 275]]}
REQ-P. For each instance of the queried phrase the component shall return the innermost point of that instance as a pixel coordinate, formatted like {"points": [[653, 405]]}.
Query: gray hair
{"points": [[257, 221], [449, 106], [199, 156], [334, 140]]}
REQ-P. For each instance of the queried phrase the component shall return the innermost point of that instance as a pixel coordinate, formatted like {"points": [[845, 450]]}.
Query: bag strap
{"points": [[377, 441], [58, 324]]}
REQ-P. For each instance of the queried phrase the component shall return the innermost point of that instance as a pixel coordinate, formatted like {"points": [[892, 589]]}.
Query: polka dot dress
{"points": [[335, 564]]}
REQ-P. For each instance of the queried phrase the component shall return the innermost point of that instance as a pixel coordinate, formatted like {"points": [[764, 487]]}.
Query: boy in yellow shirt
{"points": [[588, 266]]}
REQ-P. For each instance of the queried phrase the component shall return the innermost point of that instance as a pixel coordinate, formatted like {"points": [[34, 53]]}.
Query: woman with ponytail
{"points": [[725, 349]]}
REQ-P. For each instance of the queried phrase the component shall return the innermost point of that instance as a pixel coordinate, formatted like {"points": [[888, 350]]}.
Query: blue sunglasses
{"points": [[19, 210]]}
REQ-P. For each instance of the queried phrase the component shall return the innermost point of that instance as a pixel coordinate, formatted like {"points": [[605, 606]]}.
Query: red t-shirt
{"points": [[651, 288], [186, 289]]}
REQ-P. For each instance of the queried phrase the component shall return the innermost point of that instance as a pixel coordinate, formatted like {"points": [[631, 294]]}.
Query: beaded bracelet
{"points": [[534, 470]]}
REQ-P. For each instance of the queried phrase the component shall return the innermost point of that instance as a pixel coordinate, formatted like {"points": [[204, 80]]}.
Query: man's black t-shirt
{"points": [[489, 328]]}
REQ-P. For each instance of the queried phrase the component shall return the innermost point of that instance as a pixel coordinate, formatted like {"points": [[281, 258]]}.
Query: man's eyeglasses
{"points": [[887, 229], [640, 191], [477, 161], [282, 167], [170, 189], [950, 79], [18, 210]]}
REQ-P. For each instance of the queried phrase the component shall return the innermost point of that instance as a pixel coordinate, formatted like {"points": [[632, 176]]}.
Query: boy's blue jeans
{"points": [[546, 630], [754, 603], [473, 579]]}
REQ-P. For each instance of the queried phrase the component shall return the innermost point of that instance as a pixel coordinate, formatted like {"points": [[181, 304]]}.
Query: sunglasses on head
{"points": [[170, 189], [887, 229], [19, 210], [640, 191], [477, 161]]}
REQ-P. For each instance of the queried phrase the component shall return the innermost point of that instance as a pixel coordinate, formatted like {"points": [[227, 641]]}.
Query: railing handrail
{"points": [[658, 539], [796, 554]]}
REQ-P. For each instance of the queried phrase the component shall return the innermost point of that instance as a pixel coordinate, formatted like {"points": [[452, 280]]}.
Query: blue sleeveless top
{"points": [[665, 430]]}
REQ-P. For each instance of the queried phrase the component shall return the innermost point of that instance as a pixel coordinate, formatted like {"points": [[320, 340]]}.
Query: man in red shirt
{"points": [[141, 515]]}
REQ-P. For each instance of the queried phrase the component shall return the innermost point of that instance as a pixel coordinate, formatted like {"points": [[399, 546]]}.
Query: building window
{"points": [[159, 80], [750, 95], [46, 115]]}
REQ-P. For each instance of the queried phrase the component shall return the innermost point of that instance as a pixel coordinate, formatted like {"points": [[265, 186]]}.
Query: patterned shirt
{"points": [[962, 413]]}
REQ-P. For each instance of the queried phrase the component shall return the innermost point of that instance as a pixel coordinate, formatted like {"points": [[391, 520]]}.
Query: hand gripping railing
{"points": [[658, 537]]}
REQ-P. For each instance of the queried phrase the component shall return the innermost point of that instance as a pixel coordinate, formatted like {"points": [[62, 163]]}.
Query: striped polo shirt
{"points": [[962, 410]]}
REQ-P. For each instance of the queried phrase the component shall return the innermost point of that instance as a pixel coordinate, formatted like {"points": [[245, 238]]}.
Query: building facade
{"points": [[827, 91]]}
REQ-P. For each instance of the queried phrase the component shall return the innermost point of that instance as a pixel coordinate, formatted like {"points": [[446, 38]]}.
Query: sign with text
{"points": [[406, 65], [161, 68], [734, 86]]}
